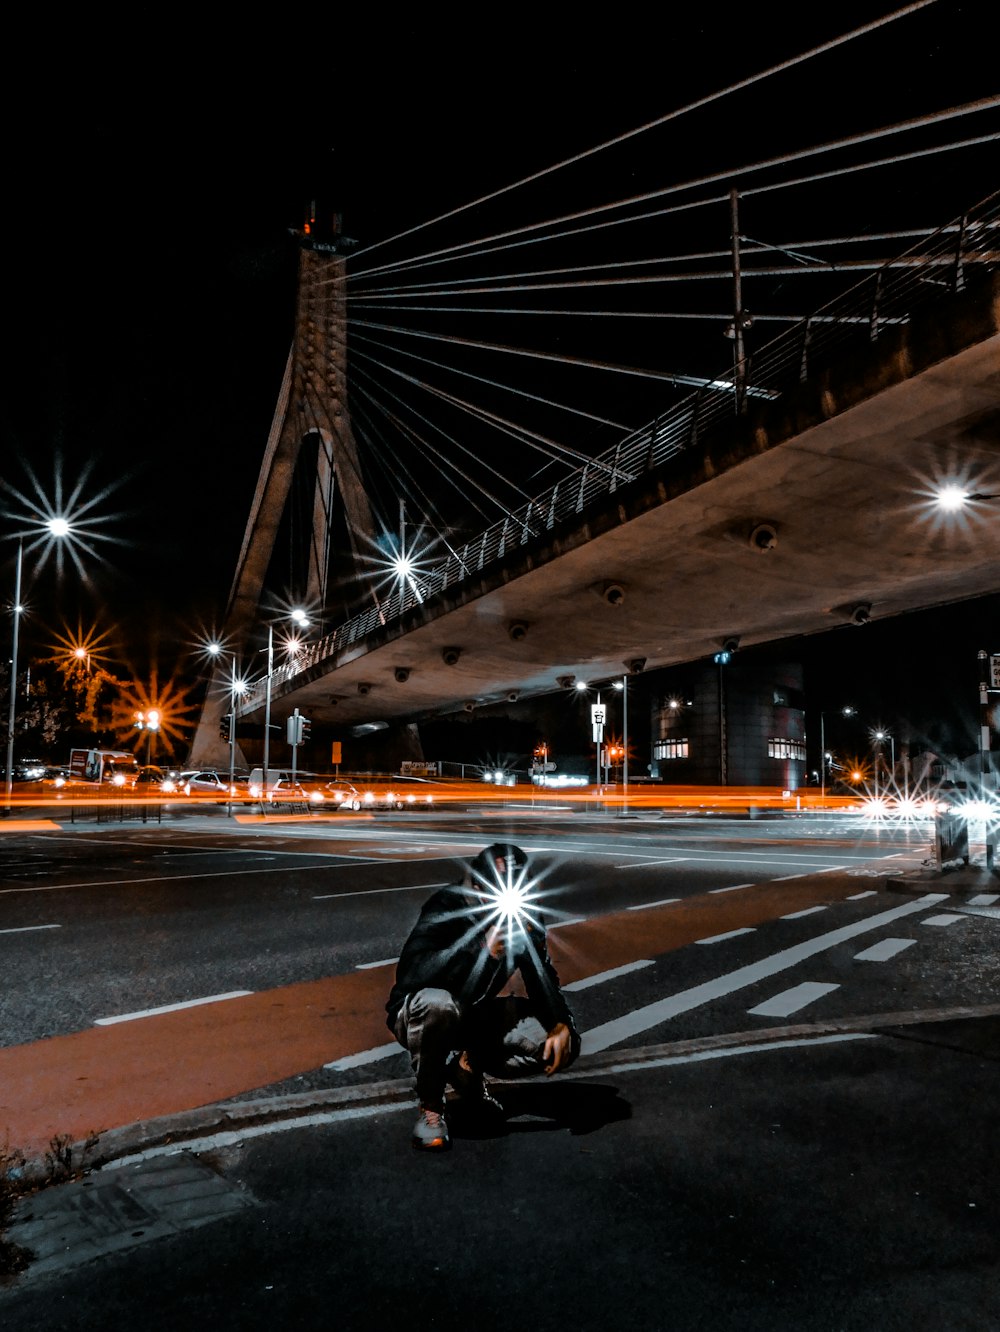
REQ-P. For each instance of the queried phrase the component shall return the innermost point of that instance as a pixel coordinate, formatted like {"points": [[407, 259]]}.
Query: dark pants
{"points": [[503, 1037]]}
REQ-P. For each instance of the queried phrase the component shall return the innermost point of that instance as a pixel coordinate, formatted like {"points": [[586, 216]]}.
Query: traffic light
{"points": [[226, 727], [305, 729], [293, 729]]}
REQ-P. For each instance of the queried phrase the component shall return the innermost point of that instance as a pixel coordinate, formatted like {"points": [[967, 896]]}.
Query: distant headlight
{"points": [[411, 799], [118, 780], [168, 785], [317, 797], [60, 781], [255, 790], [369, 798]]}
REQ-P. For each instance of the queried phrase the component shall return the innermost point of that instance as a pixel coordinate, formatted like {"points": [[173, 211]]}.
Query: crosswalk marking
{"points": [[790, 1001], [942, 920], [883, 950], [651, 1015]]}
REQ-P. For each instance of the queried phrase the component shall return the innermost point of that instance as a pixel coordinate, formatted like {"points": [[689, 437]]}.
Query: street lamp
{"points": [[57, 528], [302, 620], [237, 686], [951, 498], [622, 684], [879, 736], [846, 711]]}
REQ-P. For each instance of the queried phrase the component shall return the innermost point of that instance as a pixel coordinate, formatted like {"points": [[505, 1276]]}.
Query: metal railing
{"points": [[939, 265]]}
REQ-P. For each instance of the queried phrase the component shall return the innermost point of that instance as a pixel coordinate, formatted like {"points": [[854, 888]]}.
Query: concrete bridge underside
{"points": [[842, 470]]}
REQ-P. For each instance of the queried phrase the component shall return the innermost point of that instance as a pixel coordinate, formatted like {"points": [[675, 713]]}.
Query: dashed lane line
{"points": [[732, 888], [602, 976], [25, 929], [652, 1015], [793, 1000], [729, 934], [806, 911], [642, 906], [170, 1008], [883, 950]]}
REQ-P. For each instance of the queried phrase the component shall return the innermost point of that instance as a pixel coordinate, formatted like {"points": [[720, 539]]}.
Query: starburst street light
{"points": [[57, 528], [952, 498]]}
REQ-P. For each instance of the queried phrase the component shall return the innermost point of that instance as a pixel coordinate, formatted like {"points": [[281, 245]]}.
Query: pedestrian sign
{"points": [[995, 672], [598, 712]]}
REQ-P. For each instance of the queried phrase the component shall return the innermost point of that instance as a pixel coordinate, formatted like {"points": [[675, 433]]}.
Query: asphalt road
{"points": [[763, 1137]]}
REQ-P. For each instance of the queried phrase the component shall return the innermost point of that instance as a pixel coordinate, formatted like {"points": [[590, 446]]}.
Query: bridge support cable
{"points": [[492, 383], [442, 459], [701, 102]]}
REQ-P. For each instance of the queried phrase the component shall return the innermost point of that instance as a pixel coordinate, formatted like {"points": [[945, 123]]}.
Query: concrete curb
{"points": [[234, 1116]]}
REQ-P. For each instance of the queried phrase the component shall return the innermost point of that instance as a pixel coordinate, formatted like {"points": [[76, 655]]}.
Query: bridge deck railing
{"points": [[940, 264]]}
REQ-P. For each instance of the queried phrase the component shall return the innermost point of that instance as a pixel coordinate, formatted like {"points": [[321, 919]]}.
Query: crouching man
{"points": [[446, 1008]]}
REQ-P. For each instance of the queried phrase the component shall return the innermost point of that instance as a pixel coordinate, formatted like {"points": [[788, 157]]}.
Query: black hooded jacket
{"points": [[447, 950]]}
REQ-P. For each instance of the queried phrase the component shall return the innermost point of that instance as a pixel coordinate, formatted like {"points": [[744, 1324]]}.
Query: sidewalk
{"points": [[809, 1180]]}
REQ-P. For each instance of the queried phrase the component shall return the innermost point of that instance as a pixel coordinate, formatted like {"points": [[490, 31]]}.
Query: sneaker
{"points": [[430, 1132], [471, 1086]]}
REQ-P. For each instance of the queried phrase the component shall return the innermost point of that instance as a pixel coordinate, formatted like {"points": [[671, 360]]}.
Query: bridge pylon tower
{"points": [[312, 406]]}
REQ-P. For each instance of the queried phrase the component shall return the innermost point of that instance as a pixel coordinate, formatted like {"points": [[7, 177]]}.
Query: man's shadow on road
{"points": [[533, 1107]]}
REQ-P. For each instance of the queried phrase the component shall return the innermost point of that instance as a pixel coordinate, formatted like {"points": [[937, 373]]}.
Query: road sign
{"points": [[598, 713], [995, 672]]}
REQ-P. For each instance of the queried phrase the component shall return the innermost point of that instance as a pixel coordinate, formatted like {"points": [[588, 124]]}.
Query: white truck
{"points": [[117, 767]]}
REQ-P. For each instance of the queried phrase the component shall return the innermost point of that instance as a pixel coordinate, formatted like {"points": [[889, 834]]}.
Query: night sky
{"points": [[150, 270]]}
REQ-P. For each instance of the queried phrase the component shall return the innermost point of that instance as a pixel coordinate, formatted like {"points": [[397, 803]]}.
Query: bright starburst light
{"points": [[62, 523]]}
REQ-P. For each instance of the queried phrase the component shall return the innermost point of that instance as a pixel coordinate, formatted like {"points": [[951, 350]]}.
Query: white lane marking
{"points": [[182, 878], [808, 911], [25, 929], [869, 892], [729, 934], [790, 1001], [984, 899], [366, 1056], [603, 976], [664, 901], [945, 919], [731, 889], [170, 1008], [883, 950], [830, 869], [234, 1137], [642, 864], [698, 1056], [385, 962], [642, 1019], [371, 892]]}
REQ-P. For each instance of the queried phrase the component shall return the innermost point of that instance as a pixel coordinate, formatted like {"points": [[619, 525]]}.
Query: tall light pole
{"points": [[12, 708], [302, 620], [623, 686], [57, 528], [846, 711]]}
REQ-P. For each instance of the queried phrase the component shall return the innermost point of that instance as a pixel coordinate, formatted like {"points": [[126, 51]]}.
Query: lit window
{"points": [[786, 749], [670, 749]]}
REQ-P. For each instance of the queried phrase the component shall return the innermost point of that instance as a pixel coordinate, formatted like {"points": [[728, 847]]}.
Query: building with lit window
{"points": [[739, 723]]}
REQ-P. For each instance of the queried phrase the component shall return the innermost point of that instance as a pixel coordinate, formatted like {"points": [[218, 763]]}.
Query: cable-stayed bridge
{"points": [[792, 491]]}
